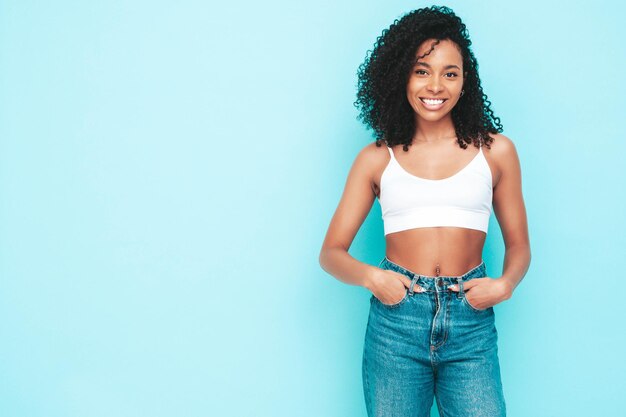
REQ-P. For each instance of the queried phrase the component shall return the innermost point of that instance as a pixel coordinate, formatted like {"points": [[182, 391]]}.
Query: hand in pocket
{"points": [[390, 287], [482, 293]]}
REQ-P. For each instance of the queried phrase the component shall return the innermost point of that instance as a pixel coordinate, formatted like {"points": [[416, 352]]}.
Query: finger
{"points": [[404, 279], [466, 286], [417, 287], [407, 283], [470, 284]]}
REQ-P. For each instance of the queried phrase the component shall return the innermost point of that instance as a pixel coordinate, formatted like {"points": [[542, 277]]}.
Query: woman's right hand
{"points": [[390, 286]]}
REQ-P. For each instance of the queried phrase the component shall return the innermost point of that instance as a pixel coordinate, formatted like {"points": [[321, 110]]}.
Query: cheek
{"points": [[414, 85], [412, 91], [454, 86], [410, 94]]}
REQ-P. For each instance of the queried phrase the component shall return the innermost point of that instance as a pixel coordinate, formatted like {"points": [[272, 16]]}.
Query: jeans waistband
{"points": [[478, 271]]}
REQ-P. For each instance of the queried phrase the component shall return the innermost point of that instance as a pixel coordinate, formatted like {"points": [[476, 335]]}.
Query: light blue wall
{"points": [[168, 171]]}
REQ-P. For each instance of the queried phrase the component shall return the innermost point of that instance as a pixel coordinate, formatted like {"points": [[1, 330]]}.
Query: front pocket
{"points": [[471, 306], [406, 293]]}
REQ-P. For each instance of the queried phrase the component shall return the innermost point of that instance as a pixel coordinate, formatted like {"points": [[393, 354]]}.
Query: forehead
{"points": [[443, 50]]}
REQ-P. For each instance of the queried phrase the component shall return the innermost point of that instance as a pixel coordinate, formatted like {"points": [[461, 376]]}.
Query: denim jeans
{"points": [[433, 343]]}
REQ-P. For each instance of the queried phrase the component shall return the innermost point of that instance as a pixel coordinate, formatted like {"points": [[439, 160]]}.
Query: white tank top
{"points": [[462, 200]]}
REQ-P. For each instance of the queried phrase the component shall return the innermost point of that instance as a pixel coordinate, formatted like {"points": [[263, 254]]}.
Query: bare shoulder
{"points": [[372, 158], [502, 155], [372, 161], [375, 154], [501, 147], [357, 198]]}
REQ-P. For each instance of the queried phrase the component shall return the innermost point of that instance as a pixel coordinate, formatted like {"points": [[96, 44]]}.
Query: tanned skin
{"points": [[434, 154]]}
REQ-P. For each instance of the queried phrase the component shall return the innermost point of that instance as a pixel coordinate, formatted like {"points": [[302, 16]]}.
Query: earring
{"points": [[462, 91]]}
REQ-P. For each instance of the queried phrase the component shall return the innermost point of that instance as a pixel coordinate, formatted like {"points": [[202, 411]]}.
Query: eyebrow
{"points": [[446, 67]]}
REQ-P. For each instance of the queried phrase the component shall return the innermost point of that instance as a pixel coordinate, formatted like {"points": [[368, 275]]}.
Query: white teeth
{"points": [[431, 102]]}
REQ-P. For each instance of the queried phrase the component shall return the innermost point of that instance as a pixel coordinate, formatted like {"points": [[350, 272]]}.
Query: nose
{"points": [[434, 85]]}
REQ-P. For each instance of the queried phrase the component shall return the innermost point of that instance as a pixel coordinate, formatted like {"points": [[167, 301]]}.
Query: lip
{"points": [[433, 107]]}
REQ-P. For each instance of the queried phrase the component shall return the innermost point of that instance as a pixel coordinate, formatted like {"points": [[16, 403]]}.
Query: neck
{"points": [[433, 132]]}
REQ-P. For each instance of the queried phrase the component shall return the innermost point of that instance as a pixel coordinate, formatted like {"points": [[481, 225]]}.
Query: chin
{"points": [[432, 118]]}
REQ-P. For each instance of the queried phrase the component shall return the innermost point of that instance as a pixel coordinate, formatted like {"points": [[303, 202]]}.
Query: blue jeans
{"points": [[432, 344]]}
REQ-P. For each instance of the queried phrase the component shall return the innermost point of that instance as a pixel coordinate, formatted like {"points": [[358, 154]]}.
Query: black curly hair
{"points": [[383, 77]]}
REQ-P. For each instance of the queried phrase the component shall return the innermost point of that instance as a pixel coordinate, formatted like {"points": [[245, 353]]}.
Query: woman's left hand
{"points": [[484, 292]]}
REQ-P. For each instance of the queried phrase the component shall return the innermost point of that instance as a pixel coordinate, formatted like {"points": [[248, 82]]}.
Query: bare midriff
{"points": [[436, 251]]}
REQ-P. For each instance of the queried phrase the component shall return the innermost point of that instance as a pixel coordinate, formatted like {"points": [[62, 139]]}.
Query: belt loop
{"points": [[413, 281], [461, 293]]}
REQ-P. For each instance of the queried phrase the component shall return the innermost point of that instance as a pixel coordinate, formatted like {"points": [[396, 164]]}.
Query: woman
{"points": [[431, 329]]}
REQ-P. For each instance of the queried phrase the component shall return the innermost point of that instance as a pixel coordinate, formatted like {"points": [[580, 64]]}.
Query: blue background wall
{"points": [[168, 172]]}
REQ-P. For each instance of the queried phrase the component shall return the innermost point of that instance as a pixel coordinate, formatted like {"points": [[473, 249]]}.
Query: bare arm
{"points": [[508, 204], [354, 205]]}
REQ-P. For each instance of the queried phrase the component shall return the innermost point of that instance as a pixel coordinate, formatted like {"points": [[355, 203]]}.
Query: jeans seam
{"points": [[471, 306], [406, 295], [446, 324], [366, 383], [440, 408]]}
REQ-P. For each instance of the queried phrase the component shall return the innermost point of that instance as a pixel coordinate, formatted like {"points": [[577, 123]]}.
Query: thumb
{"points": [[466, 286], [470, 284], [407, 283], [405, 280]]}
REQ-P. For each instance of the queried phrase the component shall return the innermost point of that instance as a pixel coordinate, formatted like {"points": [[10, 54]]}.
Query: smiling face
{"points": [[436, 80]]}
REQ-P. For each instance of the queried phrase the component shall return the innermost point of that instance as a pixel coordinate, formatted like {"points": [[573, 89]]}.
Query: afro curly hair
{"points": [[383, 77]]}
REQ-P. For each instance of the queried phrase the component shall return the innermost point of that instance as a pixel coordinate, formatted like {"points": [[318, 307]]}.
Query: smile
{"points": [[432, 100], [432, 103]]}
